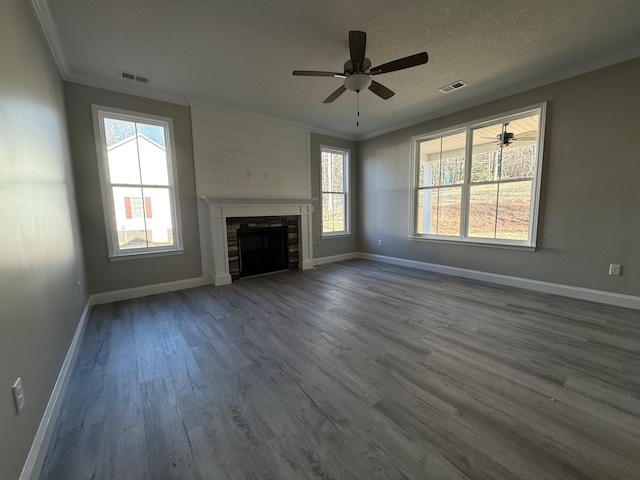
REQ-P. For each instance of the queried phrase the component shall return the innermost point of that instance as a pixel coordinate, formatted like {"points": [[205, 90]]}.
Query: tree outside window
{"points": [[334, 172]]}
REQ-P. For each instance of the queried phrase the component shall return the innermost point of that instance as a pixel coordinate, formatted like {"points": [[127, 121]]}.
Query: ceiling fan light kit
{"points": [[357, 70], [357, 81]]}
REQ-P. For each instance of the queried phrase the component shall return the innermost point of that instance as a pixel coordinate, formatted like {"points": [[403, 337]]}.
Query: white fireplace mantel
{"points": [[221, 208]]}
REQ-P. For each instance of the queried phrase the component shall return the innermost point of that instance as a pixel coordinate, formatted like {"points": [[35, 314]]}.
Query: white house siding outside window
{"points": [[138, 180], [480, 182]]}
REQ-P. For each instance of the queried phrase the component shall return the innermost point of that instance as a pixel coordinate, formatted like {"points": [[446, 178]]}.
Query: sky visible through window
{"points": [[117, 130]]}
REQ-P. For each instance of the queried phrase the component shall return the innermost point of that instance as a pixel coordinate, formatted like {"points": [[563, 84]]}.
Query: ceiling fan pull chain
{"points": [[358, 108]]}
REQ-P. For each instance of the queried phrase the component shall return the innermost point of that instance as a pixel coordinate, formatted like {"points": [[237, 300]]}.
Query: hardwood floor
{"points": [[356, 370]]}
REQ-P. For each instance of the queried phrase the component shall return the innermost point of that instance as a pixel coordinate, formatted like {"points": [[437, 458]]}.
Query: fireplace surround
{"points": [[278, 235], [218, 210]]}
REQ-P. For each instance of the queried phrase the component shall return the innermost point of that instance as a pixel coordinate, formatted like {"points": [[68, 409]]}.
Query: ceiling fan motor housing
{"points": [[349, 69]]}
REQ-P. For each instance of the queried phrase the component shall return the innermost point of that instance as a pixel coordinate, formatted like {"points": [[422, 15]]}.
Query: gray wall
{"points": [[103, 274], [41, 255], [326, 247], [590, 187]]}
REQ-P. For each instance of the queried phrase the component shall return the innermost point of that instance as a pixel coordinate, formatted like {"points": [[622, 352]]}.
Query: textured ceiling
{"points": [[240, 53]]}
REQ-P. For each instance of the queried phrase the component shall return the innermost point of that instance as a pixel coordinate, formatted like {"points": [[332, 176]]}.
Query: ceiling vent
{"points": [[134, 77], [452, 86]]}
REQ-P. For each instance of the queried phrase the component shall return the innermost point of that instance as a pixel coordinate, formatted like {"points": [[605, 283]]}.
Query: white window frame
{"points": [[346, 153], [468, 127], [101, 112]]}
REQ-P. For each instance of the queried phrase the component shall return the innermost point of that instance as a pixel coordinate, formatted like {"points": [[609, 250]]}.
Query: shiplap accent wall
{"points": [[246, 155]]}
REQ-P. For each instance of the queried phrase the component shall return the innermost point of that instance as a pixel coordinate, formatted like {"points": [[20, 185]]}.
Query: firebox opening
{"points": [[262, 250]]}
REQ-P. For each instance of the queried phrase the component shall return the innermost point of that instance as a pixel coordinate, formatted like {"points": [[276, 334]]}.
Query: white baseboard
{"points": [[581, 293], [128, 293], [306, 264], [40, 445], [219, 280], [335, 258]]}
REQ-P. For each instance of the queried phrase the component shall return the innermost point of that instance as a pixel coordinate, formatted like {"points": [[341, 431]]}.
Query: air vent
{"points": [[134, 77], [452, 86]]}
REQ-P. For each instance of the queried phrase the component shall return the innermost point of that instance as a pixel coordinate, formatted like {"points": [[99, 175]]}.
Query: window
{"points": [[138, 181], [480, 182], [335, 203]]}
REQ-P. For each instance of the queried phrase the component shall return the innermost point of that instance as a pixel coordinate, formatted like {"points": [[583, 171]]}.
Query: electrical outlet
{"points": [[379, 243], [18, 394], [615, 269]]}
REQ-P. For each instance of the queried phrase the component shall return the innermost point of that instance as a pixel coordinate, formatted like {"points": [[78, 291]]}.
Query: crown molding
{"points": [[114, 86], [42, 11], [225, 108]]}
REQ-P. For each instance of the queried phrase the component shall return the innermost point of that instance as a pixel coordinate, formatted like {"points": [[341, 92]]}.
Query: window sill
{"points": [[334, 235], [138, 255], [527, 248]]}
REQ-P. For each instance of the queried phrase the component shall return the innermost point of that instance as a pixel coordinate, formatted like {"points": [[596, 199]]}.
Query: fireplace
{"points": [[226, 216], [262, 244]]}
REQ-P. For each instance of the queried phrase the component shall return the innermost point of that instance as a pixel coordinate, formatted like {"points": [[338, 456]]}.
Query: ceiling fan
{"points": [[506, 139], [357, 71]]}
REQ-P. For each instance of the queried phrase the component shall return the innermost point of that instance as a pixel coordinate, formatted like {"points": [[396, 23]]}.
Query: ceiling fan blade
{"points": [[401, 63], [314, 73], [527, 135], [357, 47], [380, 90], [335, 94]]}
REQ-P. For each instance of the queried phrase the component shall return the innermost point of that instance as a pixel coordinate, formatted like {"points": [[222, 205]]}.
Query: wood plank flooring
{"points": [[356, 370]]}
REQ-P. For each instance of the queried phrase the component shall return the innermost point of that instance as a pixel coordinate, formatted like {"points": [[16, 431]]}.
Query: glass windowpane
{"points": [[122, 151], [325, 172], [499, 190], [519, 162], [155, 133], [137, 208], [482, 210], [333, 212], [153, 155], [159, 217], [514, 210], [505, 150], [138, 167], [439, 210], [484, 153], [333, 190], [337, 171], [442, 161], [143, 217], [449, 211], [116, 131], [130, 223]]}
